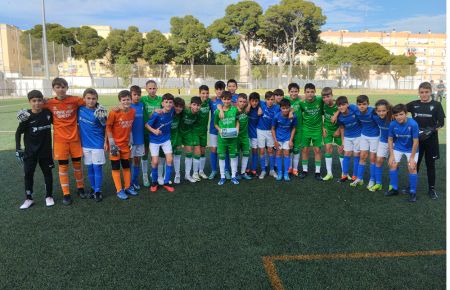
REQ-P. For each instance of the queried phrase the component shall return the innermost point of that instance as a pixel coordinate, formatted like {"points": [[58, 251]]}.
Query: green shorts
{"points": [[297, 141], [330, 139], [224, 144], [243, 144], [189, 139], [203, 139], [314, 139]]}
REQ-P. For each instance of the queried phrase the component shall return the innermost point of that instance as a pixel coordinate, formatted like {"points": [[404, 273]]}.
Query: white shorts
{"points": [[212, 140], [351, 144], [166, 147], [383, 150], [284, 145], [137, 150], [94, 156], [254, 143], [369, 143], [398, 156], [264, 138]]}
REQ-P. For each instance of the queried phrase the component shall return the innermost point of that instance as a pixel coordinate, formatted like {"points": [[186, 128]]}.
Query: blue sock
{"points": [[372, 171], [271, 161], [279, 165], [345, 165], [136, 169], [98, 177], [262, 162], [355, 165], [91, 175], [287, 163], [254, 161], [393, 174], [379, 174], [213, 159], [168, 174], [227, 162], [361, 168], [155, 174], [413, 182]]}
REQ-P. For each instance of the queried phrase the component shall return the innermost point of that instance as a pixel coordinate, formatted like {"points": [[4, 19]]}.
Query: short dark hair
{"points": [[293, 85], [425, 85], [219, 85], [35, 94], [168, 97], [285, 103], [226, 95], [254, 96], [399, 108], [136, 89], [278, 92], [341, 100], [59, 82], [232, 81], [90, 91], [179, 102], [326, 91], [361, 99], [310, 86], [242, 96], [151, 82], [203, 88], [124, 93], [196, 100], [268, 95]]}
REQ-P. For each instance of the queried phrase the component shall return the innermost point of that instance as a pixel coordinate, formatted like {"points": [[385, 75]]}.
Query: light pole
{"points": [[44, 42]]}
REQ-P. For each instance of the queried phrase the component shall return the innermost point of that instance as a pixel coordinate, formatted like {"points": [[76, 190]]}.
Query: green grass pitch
{"points": [[203, 236]]}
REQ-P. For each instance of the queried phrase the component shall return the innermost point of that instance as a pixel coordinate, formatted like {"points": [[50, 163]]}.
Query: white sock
{"points": [[329, 162], [187, 166], [295, 161], [291, 155], [161, 165], [234, 165], [305, 167], [176, 164], [202, 163], [341, 160], [196, 165], [244, 162], [222, 168], [144, 165], [317, 168]]}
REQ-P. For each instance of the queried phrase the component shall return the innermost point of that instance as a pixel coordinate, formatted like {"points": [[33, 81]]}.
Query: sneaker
{"points": [[98, 196], [303, 174], [376, 187], [196, 177], [49, 201], [371, 184], [246, 176], [295, 172], [221, 181], [412, 197], [248, 171], [286, 177], [356, 183], [26, 204], [279, 177], [122, 195], [327, 177], [391, 192], [432, 193], [254, 173], [290, 170], [67, 200], [168, 188], [354, 177], [238, 177], [234, 180], [273, 173], [177, 179], [318, 177], [212, 175], [160, 180], [189, 178], [130, 190], [262, 174], [154, 187], [82, 193], [136, 186], [227, 175], [145, 180], [202, 175], [343, 179]]}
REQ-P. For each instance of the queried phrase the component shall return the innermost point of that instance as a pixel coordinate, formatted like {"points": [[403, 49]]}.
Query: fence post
{"points": [[225, 72], [18, 52], [204, 72], [31, 56], [267, 76]]}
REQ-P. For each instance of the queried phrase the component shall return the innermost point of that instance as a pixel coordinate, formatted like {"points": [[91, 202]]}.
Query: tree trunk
{"points": [[280, 74], [89, 72], [192, 74]]}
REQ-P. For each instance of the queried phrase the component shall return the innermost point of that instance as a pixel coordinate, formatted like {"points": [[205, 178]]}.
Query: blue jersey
{"points": [[283, 126], [352, 127], [92, 132], [213, 107], [253, 119], [369, 127], [265, 120], [403, 134], [234, 99], [383, 124], [163, 122], [138, 124]]}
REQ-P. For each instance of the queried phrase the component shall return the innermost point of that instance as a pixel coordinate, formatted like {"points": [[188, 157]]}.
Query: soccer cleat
{"points": [[154, 187], [238, 177], [318, 177], [273, 173], [303, 174], [343, 179], [412, 197], [82, 193], [145, 180], [253, 172], [227, 175], [177, 179], [279, 177], [196, 177], [262, 174], [49, 201], [122, 195], [221, 181], [370, 185], [432, 193], [234, 180], [354, 177], [212, 175], [376, 187], [98, 196], [91, 193], [202, 175], [67, 199], [246, 176], [356, 183], [136, 186], [286, 177], [391, 192], [327, 177], [290, 170], [160, 180], [248, 171], [130, 190], [189, 178], [26, 204], [295, 172], [168, 188]]}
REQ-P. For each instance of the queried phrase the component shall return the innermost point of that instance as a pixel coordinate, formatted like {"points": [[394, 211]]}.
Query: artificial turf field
{"points": [[259, 234]]}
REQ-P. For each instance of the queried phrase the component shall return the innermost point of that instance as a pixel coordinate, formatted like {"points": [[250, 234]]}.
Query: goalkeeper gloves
{"points": [[19, 156], [23, 115]]}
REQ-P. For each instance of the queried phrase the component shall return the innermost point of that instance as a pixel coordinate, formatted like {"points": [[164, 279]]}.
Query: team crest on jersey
{"points": [[48, 117], [431, 108]]}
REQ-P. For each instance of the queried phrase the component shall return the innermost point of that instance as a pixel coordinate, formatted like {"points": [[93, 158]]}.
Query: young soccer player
{"points": [[383, 118], [253, 119], [350, 128], [138, 147], [151, 103], [430, 117], [93, 142], [278, 95], [118, 130], [267, 111], [219, 87], [232, 87], [189, 138], [370, 135], [38, 147], [331, 132], [403, 140], [160, 126], [179, 105], [201, 129], [293, 97], [226, 142], [312, 110], [283, 131], [243, 141]]}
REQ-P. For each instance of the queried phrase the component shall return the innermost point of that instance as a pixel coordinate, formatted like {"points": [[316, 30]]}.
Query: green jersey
{"points": [[229, 118], [203, 117], [243, 124], [295, 105], [150, 104], [328, 112], [312, 114], [188, 121]]}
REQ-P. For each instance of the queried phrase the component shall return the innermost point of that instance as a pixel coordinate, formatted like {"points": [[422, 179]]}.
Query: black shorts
{"points": [[430, 146]]}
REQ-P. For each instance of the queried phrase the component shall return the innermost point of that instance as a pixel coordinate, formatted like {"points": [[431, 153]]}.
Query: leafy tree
{"points": [[224, 58], [55, 33], [128, 43], [157, 50], [124, 70], [402, 66]]}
